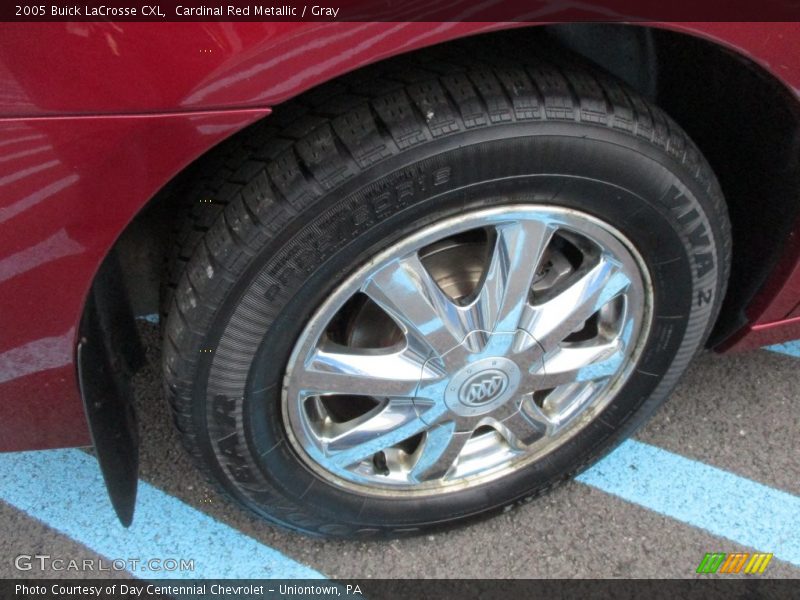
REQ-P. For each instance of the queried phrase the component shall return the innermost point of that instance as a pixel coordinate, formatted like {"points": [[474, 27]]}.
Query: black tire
{"points": [[328, 181]]}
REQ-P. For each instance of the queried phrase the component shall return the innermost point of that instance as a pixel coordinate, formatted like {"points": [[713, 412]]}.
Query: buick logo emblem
{"points": [[483, 387]]}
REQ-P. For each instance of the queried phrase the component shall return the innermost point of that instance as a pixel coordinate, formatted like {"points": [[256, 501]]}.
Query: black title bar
{"points": [[400, 10]]}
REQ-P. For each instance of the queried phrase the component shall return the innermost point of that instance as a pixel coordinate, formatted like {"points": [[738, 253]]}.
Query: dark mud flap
{"points": [[109, 353]]}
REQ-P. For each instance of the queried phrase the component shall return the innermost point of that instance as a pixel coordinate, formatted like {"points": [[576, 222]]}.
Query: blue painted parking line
{"points": [[790, 348], [64, 490], [722, 503]]}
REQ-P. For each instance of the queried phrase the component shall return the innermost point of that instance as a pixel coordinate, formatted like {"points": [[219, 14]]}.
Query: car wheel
{"points": [[422, 302]]}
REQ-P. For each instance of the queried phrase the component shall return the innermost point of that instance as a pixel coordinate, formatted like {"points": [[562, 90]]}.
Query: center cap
{"points": [[482, 386], [480, 378]]}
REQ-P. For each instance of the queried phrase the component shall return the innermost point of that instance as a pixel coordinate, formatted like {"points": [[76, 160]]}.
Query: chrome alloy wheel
{"points": [[466, 351]]}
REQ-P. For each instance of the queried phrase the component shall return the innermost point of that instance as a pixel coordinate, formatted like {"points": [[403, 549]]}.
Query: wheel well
{"points": [[743, 119]]}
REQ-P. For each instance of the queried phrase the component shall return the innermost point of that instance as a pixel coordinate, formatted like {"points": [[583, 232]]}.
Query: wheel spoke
{"points": [[515, 259], [375, 431], [580, 364], [335, 369], [525, 426], [370, 426], [552, 321], [442, 446], [566, 402], [405, 290]]}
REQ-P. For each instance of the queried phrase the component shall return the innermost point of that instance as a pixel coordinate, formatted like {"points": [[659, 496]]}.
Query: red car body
{"points": [[96, 117]]}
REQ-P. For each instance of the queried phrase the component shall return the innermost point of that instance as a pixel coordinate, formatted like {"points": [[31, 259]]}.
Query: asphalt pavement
{"points": [[736, 417]]}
